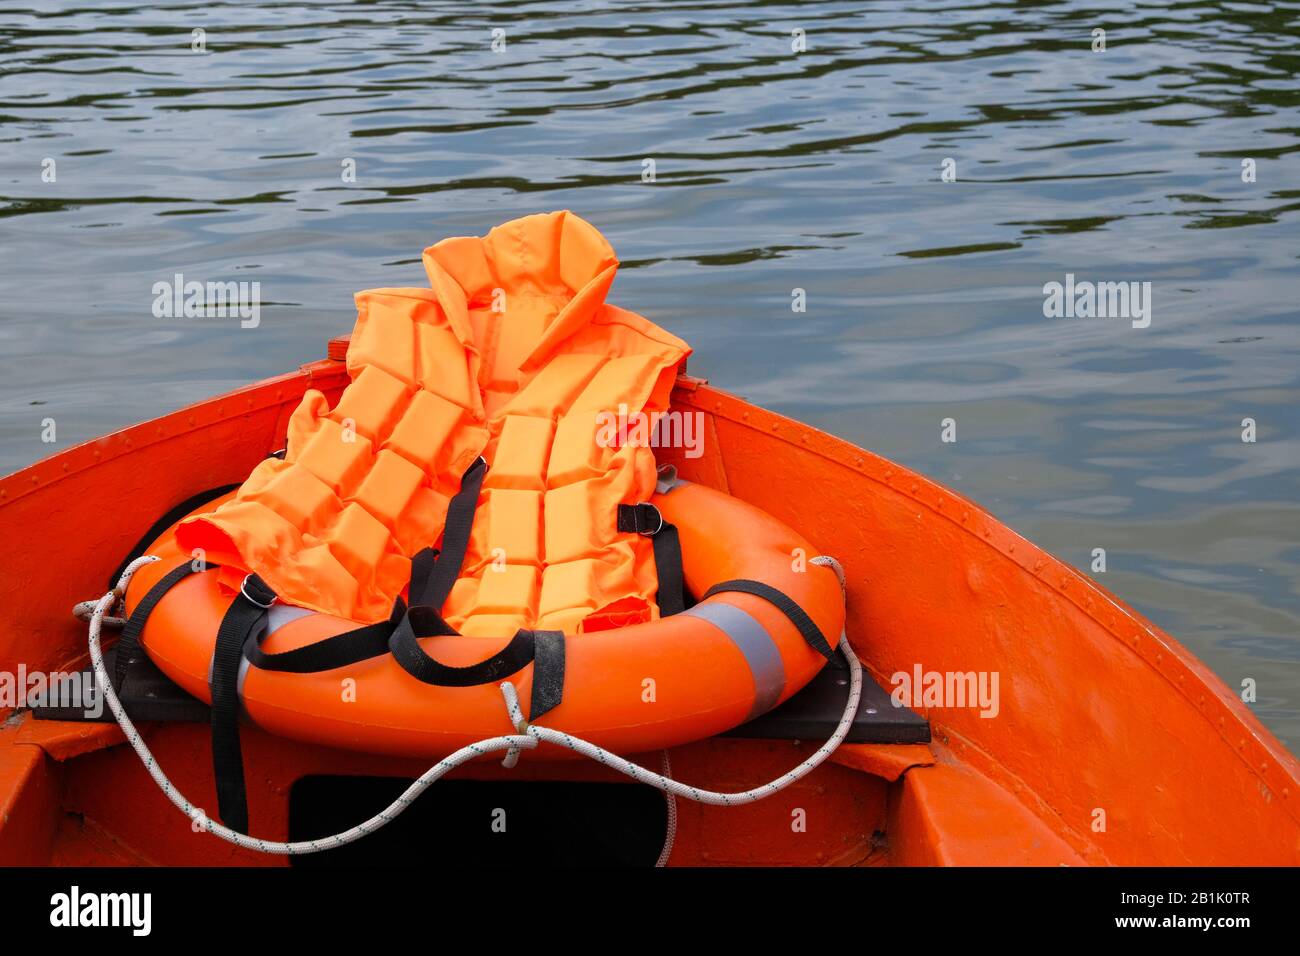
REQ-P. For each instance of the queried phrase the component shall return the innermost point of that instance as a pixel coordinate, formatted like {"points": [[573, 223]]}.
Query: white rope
{"points": [[826, 561], [85, 610], [527, 737], [641, 775], [670, 830]]}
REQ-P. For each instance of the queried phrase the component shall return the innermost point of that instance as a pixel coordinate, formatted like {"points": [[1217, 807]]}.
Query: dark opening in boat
{"points": [[482, 823]]}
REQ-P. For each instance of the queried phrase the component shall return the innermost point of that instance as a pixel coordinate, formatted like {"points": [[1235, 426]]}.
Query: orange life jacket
{"points": [[513, 355]]}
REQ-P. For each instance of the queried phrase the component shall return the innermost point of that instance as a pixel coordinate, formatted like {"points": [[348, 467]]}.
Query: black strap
{"points": [[668, 563], [511, 659], [548, 672], [646, 519], [432, 577], [245, 616], [797, 615], [165, 522], [545, 650], [434, 573], [349, 647], [128, 645]]}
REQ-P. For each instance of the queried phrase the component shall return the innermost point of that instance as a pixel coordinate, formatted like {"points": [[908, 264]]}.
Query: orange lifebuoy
{"points": [[643, 687]]}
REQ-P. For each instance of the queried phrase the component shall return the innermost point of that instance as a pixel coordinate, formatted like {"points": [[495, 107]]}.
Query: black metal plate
{"points": [[147, 694], [814, 712]]}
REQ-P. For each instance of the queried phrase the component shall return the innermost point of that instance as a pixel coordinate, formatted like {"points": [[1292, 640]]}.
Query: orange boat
{"points": [[1079, 733]]}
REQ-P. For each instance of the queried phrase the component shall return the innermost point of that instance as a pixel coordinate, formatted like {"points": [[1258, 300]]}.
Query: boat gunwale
{"points": [[1160, 651], [258, 396]]}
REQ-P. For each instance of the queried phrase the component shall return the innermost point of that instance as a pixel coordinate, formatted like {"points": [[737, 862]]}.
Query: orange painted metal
{"points": [[30, 788], [950, 815], [1100, 709], [887, 761], [84, 508], [1112, 744], [827, 818], [64, 739]]}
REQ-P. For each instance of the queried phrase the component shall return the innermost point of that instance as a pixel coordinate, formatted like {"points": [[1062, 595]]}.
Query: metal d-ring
{"points": [[658, 514], [243, 589]]}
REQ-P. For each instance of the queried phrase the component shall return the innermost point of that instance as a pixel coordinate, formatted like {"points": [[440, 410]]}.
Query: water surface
{"points": [[774, 171]]}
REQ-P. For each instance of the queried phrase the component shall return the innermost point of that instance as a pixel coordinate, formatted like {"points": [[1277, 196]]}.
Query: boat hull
{"points": [[1110, 744]]}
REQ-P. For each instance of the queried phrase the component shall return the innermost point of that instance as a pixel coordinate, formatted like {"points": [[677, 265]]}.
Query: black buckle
{"points": [[644, 519]]}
